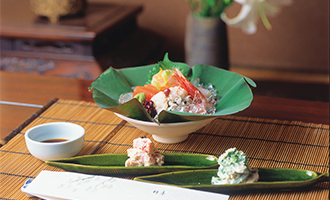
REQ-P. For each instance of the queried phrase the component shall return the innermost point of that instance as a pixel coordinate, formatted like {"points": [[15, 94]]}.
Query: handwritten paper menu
{"points": [[69, 185]]}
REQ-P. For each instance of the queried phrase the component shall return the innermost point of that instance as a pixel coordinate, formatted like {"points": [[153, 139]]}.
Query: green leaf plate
{"points": [[114, 164], [234, 90], [269, 179]]}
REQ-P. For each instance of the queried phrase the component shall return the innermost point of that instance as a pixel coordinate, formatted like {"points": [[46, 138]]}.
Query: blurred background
{"points": [[291, 60]]}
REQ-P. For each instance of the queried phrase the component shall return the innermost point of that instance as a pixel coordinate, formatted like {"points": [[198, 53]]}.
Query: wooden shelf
{"points": [[71, 46]]}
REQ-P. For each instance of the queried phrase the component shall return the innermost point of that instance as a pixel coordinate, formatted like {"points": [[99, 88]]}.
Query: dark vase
{"points": [[206, 42]]}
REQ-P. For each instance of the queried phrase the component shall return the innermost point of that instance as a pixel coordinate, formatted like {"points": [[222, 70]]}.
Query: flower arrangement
{"points": [[248, 16]]}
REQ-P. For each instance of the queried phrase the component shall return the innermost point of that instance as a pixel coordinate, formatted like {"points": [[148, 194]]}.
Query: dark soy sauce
{"points": [[55, 140]]}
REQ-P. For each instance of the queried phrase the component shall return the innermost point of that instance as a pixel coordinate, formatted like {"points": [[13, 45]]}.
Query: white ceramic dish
{"points": [[168, 132], [72, 133]]}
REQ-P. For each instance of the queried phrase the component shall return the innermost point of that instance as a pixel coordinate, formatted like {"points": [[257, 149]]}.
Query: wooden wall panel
{"points": [[299, 40]]}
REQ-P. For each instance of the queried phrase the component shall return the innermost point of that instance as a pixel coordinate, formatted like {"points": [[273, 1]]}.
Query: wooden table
{"points": [[38, 90], [276, 132]]}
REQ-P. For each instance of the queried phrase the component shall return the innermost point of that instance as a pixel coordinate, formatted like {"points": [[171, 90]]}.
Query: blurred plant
{"points": [[208, 8], [248, 16]]}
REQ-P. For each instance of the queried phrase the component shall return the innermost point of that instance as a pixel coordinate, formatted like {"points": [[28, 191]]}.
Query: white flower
{"points": [[248, 17]]}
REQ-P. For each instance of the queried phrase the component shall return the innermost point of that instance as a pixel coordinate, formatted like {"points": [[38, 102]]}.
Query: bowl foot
{"points": [[170, 140]]}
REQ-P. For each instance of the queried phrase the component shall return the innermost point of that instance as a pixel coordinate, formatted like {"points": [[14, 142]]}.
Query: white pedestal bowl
{"points": [[168, 132]]}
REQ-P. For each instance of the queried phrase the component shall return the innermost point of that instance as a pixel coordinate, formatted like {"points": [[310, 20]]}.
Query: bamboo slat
{"points": [[267, 143]]}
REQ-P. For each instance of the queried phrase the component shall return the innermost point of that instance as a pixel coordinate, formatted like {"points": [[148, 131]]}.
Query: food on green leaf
{"points": [[171, 90], [234, 168], [113, 90], [143, 153]]}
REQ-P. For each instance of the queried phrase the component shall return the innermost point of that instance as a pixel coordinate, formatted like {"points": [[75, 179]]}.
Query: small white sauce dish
{"points": [[71, 138]]}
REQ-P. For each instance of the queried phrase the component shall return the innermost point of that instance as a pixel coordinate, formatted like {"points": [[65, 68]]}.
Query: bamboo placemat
{"points": [[267, 143]]}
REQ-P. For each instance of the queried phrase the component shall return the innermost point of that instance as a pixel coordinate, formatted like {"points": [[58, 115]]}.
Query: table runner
{"points": [[267, 143]]}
